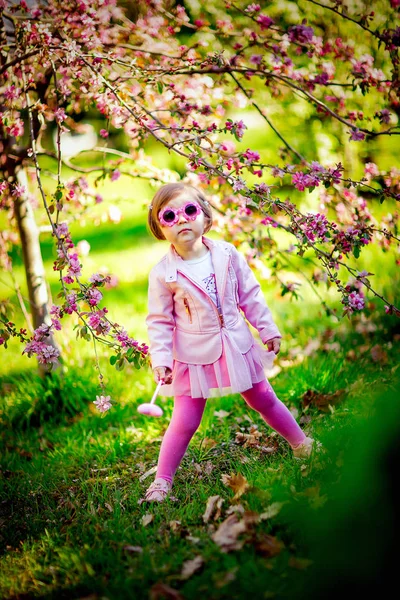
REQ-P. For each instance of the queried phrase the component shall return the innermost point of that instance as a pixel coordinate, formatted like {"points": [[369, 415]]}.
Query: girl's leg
{"points": [[185, 420], [263, 399]]}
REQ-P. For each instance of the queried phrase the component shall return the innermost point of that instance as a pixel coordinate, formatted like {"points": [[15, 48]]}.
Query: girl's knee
{"points": [[260, 396]]}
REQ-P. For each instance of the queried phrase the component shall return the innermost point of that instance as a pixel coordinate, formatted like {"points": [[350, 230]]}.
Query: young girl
{"points": [[199, 341]]}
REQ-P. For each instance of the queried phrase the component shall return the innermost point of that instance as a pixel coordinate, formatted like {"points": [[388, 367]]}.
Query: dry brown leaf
{"points": [[175, 525], [299, 563], [108, 506], [248, 439], [164, 591], [237, 483], [323, 401], [221, 413], [227, 533], [268, 545], [146, 519], [191, 566], [214, 503], [235, 509], [208, 443], [378, 354], [226, 578], [271, 511], [148, 473], [194, 540], [129, 548]]}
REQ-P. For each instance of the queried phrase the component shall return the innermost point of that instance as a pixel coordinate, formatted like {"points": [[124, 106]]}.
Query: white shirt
{"points": [[204, 269]]}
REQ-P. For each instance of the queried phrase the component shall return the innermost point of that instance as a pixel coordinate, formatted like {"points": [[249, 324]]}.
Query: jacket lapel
{"points": [[220, 258]]}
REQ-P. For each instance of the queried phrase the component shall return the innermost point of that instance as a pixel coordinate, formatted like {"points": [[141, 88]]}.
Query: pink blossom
{"points": [[301, 33], [18, 191], [102, 403], [356, 135], [264, 21], [3, 186], [94, 296], [277, 172], [371, 169], [256, 59], [96, 278], [71, 303], [384, 114], [262, 188], [116, 174], [252, 8], [104, 133], [98, 198], [60, 115], [251, 155], [16, 129], [62, 229], [45, 352], [228, 146], [356, 300], [11, 92], [239, 184]]}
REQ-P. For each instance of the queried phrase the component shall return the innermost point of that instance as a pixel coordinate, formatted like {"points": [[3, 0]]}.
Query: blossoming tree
{"points": [[176, 73]]}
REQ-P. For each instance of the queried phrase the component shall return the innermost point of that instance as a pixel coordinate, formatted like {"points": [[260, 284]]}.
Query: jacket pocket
{"points": [[235, 288], [187, 308]]}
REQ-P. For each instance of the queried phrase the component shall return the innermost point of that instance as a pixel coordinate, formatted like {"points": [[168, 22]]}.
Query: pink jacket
{"points": [[183, 321]]}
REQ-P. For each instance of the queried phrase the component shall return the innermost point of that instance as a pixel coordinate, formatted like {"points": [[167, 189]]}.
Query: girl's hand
{"points": [[274, 345], [162, 373]]}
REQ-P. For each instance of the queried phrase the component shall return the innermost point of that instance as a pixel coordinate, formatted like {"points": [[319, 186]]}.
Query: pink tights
{"points": [[187, 414]]}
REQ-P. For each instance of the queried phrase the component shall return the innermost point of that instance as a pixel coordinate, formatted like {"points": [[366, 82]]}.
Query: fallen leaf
{"points": [[207, 443], [271, 511], [191, 566], [378, 354], [237, 483], [267, 545], [194, 540], [148, 473], [323, 401], [133, 548], [221, 413], [226, 578], [146, 519], [235, 509], [299, 563], [248, 439], [175, 525], [228, 532], [214, 503], [162, 590]]}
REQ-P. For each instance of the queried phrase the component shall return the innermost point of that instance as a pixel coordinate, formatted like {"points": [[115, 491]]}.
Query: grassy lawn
{"points": [[73, 524]]}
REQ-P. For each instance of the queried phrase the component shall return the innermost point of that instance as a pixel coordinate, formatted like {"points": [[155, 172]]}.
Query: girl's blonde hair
{"points": [[168, 192]]}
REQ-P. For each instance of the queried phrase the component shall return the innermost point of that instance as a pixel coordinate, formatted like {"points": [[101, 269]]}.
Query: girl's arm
{"points": [[251, 299], [160, 321]]}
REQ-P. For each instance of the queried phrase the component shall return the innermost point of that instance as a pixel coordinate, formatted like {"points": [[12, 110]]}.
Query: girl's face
{"points": [[185, 231]]}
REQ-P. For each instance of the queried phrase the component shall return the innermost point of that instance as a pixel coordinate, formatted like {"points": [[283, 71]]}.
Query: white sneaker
{"points": [[158, 490], [304, 449]]}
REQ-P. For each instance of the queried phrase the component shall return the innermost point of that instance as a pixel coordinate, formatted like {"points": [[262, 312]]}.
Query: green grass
{"points": [[72, 521]]}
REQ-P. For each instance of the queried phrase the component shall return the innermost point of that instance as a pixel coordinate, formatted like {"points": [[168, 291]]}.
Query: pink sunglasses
{"points": [[169, 216]]}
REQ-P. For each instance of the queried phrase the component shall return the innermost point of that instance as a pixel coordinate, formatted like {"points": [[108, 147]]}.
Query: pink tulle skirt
{"points": [[232, 373]]}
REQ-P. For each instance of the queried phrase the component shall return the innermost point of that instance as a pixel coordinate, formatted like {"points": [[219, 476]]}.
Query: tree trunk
{"points": [[34, 268]]}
